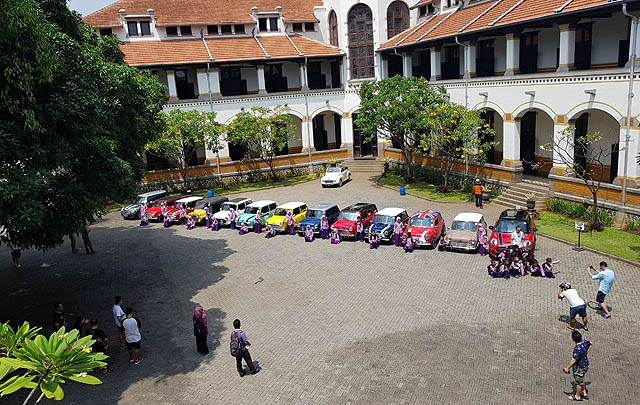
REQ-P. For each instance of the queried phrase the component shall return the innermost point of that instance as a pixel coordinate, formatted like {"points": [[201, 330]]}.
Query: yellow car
{"points": [[212, 204], [277, 221]]}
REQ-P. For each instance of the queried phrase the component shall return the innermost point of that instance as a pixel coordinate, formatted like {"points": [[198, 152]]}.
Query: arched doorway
{"points": [[333, 28], [361, 145], [495, 122], [361, 55], [603, 152], [536, 129], [397, 18], [327, 131]]}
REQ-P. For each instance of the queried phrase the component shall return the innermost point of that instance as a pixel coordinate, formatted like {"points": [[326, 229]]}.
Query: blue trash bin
{"points": [[402, 191], [209, 193]]}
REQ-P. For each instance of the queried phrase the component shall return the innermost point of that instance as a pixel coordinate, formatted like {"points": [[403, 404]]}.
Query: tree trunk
{"points": [[594, 222], [408, 159], [269, 163], [183, 172]]}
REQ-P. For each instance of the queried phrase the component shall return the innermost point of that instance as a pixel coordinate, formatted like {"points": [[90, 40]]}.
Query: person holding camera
{"points": [[606, 277], [576, 304]]}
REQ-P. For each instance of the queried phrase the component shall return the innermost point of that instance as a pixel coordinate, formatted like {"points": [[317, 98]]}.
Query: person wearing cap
{"points": [[477, 193], [576, 304]]}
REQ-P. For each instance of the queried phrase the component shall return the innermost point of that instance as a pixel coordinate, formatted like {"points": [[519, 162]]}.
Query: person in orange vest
{"points": [[477, 192]]}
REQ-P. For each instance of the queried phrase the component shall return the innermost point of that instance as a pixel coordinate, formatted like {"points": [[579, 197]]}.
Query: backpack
{"points": [[198, 327], [236, 344]]}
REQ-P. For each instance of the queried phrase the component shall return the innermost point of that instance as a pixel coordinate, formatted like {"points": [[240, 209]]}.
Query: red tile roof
{"points": [[226, 49], [421, 3], [174, 12], [487, 15]]}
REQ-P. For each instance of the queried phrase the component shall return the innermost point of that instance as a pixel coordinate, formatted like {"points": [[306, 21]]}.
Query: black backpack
{"points": [[198, 327]]}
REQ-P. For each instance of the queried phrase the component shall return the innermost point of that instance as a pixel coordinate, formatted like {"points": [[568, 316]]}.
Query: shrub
{"points": [[578, 210], [632, 224]]}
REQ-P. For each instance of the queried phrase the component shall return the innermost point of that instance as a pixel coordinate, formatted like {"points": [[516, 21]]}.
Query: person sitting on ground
{"points": [[408, 243], [243, 229], [547, 268], [335, 236], [517, 269], [442, 244], [535, 269], [493, 269], [505, 268], [373, 240], [270, 232]]}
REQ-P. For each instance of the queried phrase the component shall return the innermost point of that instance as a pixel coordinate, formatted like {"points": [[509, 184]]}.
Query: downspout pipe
{"points": [[466, 95], [632, 71]]}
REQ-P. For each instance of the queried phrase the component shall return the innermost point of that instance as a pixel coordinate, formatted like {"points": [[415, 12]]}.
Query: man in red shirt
{"points": [[477, 192]]}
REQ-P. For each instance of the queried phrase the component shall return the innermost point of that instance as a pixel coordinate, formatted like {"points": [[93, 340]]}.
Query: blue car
{"points": [[383, 221], [314, 216]]}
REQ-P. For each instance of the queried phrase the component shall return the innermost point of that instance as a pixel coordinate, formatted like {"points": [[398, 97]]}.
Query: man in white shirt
{"points": [[576, 304], [517, 236], [132, 335], [118, 317]]}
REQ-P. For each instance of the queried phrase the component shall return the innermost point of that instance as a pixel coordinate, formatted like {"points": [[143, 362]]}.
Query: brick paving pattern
{"points": [[329, 324]]}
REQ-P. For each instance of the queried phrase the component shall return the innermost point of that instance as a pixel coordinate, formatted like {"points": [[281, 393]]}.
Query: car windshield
{"points": [[315, 213], [509, 225], [159, 203], [421, 222], [280, 212], [349, 216], [200, 205], [251, 210], [333, 170], [463, 226], [383, 219], [226, 206], [141, 200]]}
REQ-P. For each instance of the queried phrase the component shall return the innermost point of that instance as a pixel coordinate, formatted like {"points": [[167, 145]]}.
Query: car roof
{"points": [[425, 214], [514, 214], [291, 205], [358, 207], [169, 198], [323, 207], [189, 199], [390, 211], [239, 199], [214, 199], [468, 217], [152, 193], [261, 203]]}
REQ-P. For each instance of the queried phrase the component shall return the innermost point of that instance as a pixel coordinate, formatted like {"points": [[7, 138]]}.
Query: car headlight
{"points": [[494, 242], [350, 229], [315, 227], [527, 243], [387, 233]]}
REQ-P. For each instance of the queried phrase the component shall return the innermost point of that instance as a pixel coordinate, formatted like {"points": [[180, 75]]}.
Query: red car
{"points": [[188, 202], [154, 213], [346, 222], [506, 224], [426, 228]]}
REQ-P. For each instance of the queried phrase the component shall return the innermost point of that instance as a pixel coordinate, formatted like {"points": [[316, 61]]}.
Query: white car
{"points": [[335, 176], [238, 204]]}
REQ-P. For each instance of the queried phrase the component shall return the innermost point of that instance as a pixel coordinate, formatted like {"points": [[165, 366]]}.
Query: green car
{"points": [[266, 208]]}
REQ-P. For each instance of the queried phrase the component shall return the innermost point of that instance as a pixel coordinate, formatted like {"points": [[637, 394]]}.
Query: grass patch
{"points": [[612, 241], [424, 190]]}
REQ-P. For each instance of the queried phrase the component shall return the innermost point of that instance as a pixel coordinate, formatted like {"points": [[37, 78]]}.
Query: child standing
{"points": [[143, 214], [308, 235], [214, 225], [397, 231], [183, 215], [207, 217], [373, 240], [190, 222], [359, 230], [258, 223], [483, 239], [232, 218], [324, 227]]}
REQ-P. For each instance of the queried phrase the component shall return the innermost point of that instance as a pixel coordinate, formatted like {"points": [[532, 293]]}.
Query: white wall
{"points": [[544, 133], [292, 71], [600, 121], [250, 74], [500, 53], [606, 34], [548, 42]]}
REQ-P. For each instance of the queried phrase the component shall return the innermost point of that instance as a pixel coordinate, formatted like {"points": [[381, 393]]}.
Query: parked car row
{"points": [[427, 227]]}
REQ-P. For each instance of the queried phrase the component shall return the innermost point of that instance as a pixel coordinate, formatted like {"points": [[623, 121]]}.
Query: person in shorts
{"points": [[606, 278], [132, 336], [118, 318], [576, 304], [579, 365], [16, 251], [101, 343]]}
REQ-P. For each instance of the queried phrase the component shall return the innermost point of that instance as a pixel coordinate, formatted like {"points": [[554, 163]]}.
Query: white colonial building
{"points": [[534, 66]]}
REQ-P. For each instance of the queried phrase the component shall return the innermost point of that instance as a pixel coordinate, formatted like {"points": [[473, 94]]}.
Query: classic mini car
{"points": [[132, 211], [154, 213], [277, 221], [346, 222], [238, 204], [426, 228], [214, 204], [462, 234], [506, 223], [335, 176], [188, 202], [383, 222], [314, 216], [266, 208]]}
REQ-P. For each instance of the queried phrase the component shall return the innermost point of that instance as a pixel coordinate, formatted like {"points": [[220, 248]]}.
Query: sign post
{"points": [[581, 228]]}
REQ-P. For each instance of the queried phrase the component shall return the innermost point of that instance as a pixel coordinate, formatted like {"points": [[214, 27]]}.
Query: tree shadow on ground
{"points": [[181, 266]]}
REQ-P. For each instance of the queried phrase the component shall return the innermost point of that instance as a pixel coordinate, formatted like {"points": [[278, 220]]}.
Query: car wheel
{"points": [[340, 184], [434, 242], [349, 178], [323, 186]]}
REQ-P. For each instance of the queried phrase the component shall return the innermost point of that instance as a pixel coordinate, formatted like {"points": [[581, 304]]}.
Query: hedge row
{"points": [[578, 210]]}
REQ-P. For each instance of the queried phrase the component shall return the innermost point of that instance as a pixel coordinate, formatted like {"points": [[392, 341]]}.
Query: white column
{"points": [[567, 47], [307, 135], [633, 169], [407, 65], [511, 143], [203, 85], [347, 132], [384, 67], [304, 84], [513, 55], [261, 82], [470, 59], [562, 151], [171, 83], [214, 82], [435, 64]]}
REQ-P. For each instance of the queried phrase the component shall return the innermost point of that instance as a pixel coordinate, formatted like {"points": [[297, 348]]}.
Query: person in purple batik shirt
{"points": [[232, 218], [324, 227], [308, 235], [359, 230], [579, 365], [244, 352], [258, 223], [397, 231]]}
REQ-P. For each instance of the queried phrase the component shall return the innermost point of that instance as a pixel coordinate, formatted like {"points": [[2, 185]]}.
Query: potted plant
{"points": [[387, 163], [486, 194], [333, 162], [531, 200]]}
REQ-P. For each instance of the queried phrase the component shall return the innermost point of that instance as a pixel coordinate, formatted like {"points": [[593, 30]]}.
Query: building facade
{"points": [[535, 67]]}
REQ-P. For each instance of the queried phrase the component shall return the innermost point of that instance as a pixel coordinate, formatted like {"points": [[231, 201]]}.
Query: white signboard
{"points": [[580, 226]]}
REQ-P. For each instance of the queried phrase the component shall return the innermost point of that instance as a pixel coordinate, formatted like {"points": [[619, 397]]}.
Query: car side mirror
{"points": [[535, 229], [490, 226]]}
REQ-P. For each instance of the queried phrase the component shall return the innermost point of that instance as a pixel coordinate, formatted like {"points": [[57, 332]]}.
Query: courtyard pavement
{"points": [[329, 324]]}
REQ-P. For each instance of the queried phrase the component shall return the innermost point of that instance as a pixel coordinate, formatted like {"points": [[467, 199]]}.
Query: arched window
{"points": [[397, 18], [361, 42], [333, 28]]}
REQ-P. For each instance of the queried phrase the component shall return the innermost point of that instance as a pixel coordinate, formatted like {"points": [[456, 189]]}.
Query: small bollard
{"points": [[402, 190], [209, 193]]}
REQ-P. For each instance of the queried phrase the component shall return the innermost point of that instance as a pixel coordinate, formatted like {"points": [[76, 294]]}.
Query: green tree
{"points": [[263, 132], [30, 360], [455, 134], [185, 132], [391, 109], [74, 120]]}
